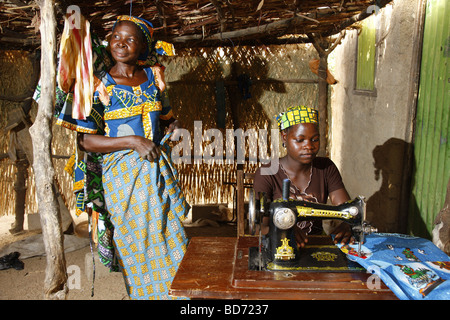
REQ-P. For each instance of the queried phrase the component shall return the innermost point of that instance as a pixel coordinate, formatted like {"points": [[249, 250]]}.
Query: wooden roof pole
{"points": [[55, 283], [323, 48]]}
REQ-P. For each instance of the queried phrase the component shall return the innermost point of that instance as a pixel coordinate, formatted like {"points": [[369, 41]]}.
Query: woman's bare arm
{"points": [[146, 148]]}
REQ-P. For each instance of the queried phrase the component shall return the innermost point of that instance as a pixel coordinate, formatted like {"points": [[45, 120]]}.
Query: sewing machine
{"points": [[278, 251], [269, 267]]}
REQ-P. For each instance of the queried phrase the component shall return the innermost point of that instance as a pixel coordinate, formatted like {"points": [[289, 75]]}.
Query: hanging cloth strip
{"points": [[75, 70]]}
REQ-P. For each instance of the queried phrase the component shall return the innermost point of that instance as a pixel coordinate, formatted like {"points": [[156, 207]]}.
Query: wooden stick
{"points": [[267, 28], [162, 16], [322, 50], [358, 17], [55, 283], [220, 15], [235, 83]]}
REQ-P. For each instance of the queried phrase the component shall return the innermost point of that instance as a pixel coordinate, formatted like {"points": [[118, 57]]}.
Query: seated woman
{"points": [[312, 178]]}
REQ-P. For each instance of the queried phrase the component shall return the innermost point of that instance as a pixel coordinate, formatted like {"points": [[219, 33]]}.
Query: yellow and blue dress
{"points": [[142, 198]]}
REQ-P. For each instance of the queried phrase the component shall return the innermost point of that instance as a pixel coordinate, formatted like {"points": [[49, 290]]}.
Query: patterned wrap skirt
{"points": [[146, 207]]}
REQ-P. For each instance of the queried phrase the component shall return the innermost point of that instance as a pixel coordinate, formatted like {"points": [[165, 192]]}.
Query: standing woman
{"points": [[142, 196], [313, 179]]}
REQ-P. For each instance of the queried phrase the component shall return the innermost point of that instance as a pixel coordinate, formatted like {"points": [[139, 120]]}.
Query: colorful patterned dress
{"points": [[143, 199]]}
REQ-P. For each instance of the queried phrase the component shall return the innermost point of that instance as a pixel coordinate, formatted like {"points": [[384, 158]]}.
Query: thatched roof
{"points": [[190, 23]]}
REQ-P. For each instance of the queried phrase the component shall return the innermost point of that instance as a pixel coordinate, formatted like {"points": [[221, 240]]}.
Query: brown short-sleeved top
{"points": [[325, 179]]}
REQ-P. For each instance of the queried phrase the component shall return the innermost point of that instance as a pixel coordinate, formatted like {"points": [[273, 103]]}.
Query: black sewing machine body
{"points": [[278, 249]]}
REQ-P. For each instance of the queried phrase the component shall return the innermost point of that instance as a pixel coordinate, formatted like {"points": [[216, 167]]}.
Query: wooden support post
{"points": [[323, 104], [240, 200], [324, 48], [55, 283], [20, 190]]}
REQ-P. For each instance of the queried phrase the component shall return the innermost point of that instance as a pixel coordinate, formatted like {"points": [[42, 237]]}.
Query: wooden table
{"points": [[211, 270]]}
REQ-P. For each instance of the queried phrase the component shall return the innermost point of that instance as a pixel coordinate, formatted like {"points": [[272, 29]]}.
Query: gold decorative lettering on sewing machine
{"points": [[324, 256], [278, 249]]}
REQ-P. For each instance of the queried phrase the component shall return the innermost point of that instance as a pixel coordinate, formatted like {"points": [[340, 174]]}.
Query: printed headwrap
{"points": [[149, 57], [296, 115]]}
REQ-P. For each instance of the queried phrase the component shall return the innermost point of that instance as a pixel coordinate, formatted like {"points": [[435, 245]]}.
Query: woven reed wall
{"points": [[15, 70], [191, 78]]}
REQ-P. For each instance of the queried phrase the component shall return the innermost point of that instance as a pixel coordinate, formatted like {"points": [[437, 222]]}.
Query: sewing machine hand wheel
{"points": [[251, 216]]}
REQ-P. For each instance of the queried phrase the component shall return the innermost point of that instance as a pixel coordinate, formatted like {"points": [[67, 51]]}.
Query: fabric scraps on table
{"points": [[413, 268]]}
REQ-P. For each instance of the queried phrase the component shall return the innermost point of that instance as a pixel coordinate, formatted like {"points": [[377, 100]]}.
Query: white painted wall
{"points": [[360, 123]]}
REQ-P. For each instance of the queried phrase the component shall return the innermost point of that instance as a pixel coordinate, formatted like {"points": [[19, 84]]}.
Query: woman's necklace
{"points": [[298, 189], [303, 225]]}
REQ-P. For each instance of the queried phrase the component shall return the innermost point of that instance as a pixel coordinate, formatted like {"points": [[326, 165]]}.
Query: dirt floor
{"points": [[27, 284]]}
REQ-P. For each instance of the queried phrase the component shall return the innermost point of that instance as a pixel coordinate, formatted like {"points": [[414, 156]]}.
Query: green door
{"points": [[431, 146]]}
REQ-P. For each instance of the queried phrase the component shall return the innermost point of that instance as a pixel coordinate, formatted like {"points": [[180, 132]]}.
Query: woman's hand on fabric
{"points": [[343, 234], [147, 149], [174, 127]]}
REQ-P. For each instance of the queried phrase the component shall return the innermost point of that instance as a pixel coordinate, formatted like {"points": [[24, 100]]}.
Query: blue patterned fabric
{"points": [[413, 268], [147, 209]]}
